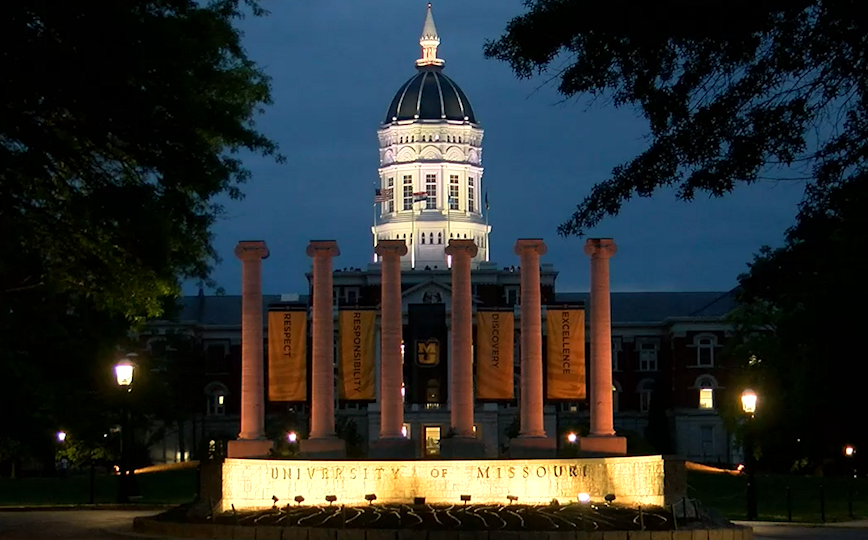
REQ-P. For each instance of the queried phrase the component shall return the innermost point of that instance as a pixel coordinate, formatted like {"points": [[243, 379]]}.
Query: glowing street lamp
{"points": [[124, 372], [61, 436], [849, 450], [292, 437], [572, 438], [748, 405]]}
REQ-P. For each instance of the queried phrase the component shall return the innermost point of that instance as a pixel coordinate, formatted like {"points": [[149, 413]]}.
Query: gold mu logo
{"points": [[428, 352]]}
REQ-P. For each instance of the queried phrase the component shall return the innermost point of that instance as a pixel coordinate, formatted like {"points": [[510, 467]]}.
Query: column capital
{"points": [[248, 250], [532, 244], [600, 248], [328, 248], [388, 247], [465, 246]]}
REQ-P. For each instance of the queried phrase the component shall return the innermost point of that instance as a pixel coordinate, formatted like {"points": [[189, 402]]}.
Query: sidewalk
{"points": [[83, 506], [856, 524]]}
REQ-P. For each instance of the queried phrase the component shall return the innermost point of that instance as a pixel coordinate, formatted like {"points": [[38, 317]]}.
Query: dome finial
{"points": [[429, 42]]}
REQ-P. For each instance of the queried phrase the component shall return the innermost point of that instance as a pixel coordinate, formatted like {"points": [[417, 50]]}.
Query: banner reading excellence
{"points": [[356, 329], [565, 369], [287, 355], [494, 354]]}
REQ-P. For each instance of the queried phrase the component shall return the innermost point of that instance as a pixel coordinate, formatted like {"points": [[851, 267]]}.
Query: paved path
{"points": [[68, 524], [853, 530]]}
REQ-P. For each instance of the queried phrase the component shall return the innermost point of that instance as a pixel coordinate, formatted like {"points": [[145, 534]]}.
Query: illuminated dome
{"points": [[430, 95]]}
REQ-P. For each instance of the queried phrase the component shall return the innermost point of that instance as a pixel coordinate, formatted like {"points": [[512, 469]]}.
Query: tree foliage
{"points": [[731, 90], [800, 325], [122, 124]]}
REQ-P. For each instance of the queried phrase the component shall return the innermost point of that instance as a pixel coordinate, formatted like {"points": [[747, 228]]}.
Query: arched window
{"points": [[215, 398], [616, 396], [423, 239], [440, 238], [705, 345], [430, 238], [706, 385], [645, 389]]}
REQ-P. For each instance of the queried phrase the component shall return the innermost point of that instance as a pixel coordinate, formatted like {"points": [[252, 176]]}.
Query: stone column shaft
{"points": [[251, 254], [461, 381], [531, 398], [602, 416], [322, 422], [391, 329]]}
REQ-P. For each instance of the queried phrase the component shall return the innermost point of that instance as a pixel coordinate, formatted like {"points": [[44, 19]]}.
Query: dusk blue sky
{"points": [[335, 66]]}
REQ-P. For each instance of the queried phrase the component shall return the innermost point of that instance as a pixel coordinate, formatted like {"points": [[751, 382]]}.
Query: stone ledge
{"points": [[254, 532]]}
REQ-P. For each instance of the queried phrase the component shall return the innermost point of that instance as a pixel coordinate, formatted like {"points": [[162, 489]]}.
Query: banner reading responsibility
{"points": [[356, 371], [494, 354], [287, 355], [565, 366]]}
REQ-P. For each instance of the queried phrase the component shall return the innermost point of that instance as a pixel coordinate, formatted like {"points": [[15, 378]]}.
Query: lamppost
{"points": [[124, 371], [748, 405]]}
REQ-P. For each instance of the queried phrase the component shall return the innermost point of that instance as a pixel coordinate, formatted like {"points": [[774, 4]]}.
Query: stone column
{"points": [[251, 441], [322, 441], [461, 381], [391, 444], [602, 437], [531, 398]]}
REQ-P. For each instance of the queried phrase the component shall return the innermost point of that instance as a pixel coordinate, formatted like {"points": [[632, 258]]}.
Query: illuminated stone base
{"points": [[610, 446], [388, 449], [246, 448], [532, 447], [646, 480], [462, 448], [323, 448]]}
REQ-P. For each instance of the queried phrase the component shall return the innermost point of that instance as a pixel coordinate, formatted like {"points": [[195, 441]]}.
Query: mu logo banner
{"points": [[428, 352]]}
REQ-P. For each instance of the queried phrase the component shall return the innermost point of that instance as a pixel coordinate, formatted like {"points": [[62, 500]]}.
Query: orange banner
{"points": [[356, 368], [494, 354], [565, 369], [287, 355]]}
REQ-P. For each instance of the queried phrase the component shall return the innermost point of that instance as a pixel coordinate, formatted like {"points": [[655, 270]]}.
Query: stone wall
{"points": [[252, 483]]}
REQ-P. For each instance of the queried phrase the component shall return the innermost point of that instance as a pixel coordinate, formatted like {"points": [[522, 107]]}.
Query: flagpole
{"points": [[487, 250], [413, 233]]}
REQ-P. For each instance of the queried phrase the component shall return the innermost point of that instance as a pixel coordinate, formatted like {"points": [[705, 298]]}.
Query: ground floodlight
{"points": [[418, 500], [299, 499], [511, 498], [331, 498], [370, 497], [465, 499], [584, 498], [274, 499], [609, 498]]}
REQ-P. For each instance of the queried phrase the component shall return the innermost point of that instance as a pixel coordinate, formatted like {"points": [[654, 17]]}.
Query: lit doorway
{"points": [[432, 441]]}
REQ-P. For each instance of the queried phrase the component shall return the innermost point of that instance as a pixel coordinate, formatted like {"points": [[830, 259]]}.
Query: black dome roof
{"points": [[430, 95]]}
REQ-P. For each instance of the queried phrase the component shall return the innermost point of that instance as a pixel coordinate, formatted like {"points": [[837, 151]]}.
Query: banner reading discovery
{"points": [[356, 329], [287, 355], [494, 354], [565, 369]]}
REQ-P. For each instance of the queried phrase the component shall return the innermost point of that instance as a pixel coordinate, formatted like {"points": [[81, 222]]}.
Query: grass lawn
{"points": [[727, 495], [166, 487]]}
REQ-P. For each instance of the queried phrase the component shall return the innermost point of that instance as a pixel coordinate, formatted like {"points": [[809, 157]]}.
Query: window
{"points": [[408, 192], [706, 384], [646, 388], [453, 192], [215, 403], [432, 391], [390, 204], [432, 441], [648, 350], [351, 295], [616, 354], [405, 431], [512, 296], [471, 195], [705, 350], [431, 191], [440, 238]]}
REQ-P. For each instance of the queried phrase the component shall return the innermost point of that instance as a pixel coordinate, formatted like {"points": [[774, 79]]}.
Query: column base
{"points": [[609, 445], [323, 448], [392, 449], [533, 448], [249, 448], [462, 448]]}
